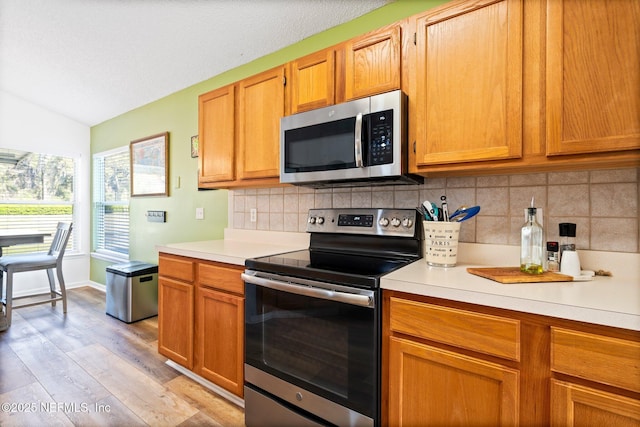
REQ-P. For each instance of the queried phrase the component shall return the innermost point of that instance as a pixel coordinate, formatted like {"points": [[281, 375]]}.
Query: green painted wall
{"points": [[178, 114]]}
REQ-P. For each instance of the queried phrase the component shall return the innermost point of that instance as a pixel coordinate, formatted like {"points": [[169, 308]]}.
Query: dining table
{"points": [[21, 237]]}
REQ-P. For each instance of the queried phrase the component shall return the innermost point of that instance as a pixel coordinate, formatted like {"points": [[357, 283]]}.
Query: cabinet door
{"points": [[312, 81], [593, 76], [216, 140], [220, 339], [431, 386], [175, 321], [261, 104], [469, 83], [574, 405], [372, 63]]}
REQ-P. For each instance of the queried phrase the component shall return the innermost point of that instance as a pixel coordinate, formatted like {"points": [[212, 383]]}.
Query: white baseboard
{"points": [[95, 285], [45, 288]]}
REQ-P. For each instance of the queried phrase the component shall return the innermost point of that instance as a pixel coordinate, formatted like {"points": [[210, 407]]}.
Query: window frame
{"points": [[75, 246], [99, 198]]}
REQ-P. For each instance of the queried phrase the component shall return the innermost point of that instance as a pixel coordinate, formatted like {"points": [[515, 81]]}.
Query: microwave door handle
{"points": [[353, 299], [358, 141]]}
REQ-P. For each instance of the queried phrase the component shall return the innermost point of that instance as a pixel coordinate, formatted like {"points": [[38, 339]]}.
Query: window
{"points": [[111, 203], [36, 192]]}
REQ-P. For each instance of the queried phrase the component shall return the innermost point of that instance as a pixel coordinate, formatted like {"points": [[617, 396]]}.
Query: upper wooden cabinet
{"points": [[366, 65], [494, 86], [372, 63], [239, 132], [469, 83], [593, 76], [216, 127], [312, 81], [261, 106]]}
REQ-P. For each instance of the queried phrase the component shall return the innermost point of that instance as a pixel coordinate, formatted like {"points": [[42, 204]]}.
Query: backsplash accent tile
{"points": [[603, 204]]}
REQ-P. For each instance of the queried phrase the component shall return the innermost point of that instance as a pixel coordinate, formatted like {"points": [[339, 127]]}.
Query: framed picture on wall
{"points": [[150, 165]]}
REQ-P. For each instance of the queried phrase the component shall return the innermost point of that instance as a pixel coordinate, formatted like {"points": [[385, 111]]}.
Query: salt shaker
{"points": [[553, 259]]}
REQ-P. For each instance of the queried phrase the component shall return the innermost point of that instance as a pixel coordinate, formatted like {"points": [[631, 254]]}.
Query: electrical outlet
{"points": [[199, 213], [254, 215]]}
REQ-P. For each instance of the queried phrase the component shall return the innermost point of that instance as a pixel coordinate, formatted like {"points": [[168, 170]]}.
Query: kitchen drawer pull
{"points": [[328, 294]]}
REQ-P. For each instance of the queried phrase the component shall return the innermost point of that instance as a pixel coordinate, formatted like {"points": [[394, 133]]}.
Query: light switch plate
{"points": [[199, 213]]}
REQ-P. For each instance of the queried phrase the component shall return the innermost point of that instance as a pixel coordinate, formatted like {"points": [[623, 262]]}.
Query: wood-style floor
{"points": [[89, 369]]}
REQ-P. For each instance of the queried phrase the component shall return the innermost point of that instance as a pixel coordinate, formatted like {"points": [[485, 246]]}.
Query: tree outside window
{"points": [[36, 192]]}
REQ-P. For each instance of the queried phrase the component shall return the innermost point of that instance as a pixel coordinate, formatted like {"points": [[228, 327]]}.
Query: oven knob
{"points": [[383, 222], [320, 220], [395, 222], [407, 222], [312, 220]]}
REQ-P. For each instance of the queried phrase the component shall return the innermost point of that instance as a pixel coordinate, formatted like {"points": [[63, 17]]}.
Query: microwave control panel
{"points": [[381, 140]]}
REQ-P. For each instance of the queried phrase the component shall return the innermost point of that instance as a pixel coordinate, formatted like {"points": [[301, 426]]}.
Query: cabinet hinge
{"points": [[415, 38]]}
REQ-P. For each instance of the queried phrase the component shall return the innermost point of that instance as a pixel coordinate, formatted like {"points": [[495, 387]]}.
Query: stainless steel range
{"points": [[313, 319]]}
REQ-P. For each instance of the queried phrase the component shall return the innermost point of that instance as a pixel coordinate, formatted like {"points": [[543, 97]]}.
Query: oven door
{"points": [[314, 347]]}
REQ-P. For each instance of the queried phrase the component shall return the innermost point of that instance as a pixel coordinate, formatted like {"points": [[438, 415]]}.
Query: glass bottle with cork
{"points": [[531, 249]]}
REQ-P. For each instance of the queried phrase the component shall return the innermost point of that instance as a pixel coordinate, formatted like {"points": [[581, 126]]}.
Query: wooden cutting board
{"points": [[514, 275]]}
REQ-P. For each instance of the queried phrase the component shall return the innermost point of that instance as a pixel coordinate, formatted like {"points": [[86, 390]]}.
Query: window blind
{"points": [[111, 202]]}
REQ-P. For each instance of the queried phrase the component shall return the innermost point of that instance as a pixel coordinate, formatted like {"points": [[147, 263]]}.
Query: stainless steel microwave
{"points": [[360, 142]]}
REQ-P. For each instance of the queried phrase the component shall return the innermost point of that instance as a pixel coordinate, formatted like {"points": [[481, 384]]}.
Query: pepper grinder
{"points": [[569, 260], [567, 237]]}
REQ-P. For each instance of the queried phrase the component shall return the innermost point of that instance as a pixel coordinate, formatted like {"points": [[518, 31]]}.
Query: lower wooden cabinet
{"points": [[580, 406], [432, 386], [220, 337], [448, 363], [175, 321], [201, 318], [176, 276]]}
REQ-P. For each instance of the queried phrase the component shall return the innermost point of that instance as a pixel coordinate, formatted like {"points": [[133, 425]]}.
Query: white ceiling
{"points": [[91, 60]]}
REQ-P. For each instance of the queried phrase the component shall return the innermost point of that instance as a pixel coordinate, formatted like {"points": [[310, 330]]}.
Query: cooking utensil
{"points": [[445, 208], [464, 213], [431, 209]]}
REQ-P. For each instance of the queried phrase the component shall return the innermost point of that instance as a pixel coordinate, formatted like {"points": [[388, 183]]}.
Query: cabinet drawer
{"points": [[596, 357], [493, 335], [176, 267], [226, 278]]}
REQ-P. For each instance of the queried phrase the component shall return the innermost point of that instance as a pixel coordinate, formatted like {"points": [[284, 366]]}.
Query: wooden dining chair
{"points": [[49, 261]]}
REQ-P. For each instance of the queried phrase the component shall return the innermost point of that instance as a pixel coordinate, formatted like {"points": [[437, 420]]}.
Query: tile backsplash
{"points": [[603, 204]]}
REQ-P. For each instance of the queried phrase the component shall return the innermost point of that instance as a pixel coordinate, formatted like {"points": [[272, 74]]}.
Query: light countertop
{"points": [[611, 301], [239, 245]]}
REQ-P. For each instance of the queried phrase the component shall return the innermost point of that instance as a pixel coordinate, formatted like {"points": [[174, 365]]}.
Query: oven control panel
{"points": [[378, 222]]}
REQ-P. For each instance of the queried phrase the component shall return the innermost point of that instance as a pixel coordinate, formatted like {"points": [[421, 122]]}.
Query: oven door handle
{"points": [[353, 299]]}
